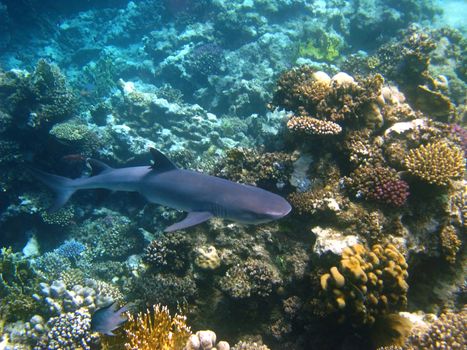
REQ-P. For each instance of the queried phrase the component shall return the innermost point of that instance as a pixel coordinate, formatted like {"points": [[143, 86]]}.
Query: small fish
{"points": [[108, 318]]}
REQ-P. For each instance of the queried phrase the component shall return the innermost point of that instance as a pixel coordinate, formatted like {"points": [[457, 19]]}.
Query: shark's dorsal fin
{"points": [[161, 162], [98, 167]]}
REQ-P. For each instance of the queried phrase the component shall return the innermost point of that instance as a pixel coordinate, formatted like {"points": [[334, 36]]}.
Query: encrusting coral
{"points": [[367, 284], [436, 163]]}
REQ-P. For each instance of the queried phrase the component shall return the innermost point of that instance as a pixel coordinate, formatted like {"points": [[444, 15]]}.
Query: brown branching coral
{"points": [[313, 126], [362, 149], [367, 284], [156, 329], [450, 243], [436, 163]]}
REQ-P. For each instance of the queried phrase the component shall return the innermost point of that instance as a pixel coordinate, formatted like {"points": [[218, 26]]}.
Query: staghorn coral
{"points": [[447, 332], [156, 329], [379, 184], [367, 284], [436, 163]]}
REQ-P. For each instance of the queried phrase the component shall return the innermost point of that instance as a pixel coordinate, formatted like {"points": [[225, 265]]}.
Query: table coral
{"points": [[436, 163], [368, 283]]}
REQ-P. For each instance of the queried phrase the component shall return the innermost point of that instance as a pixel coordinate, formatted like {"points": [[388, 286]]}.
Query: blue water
{"points": [[351, 110]]}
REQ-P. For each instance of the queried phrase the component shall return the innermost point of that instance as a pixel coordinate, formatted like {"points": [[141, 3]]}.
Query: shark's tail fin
{"points": [[62, 186]]}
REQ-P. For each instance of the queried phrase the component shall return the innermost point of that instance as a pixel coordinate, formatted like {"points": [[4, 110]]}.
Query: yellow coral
{"points": [[367, 283], [156, 329], [436, 163], [208, 258]]}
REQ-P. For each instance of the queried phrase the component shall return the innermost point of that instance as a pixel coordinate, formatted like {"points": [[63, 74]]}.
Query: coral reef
{"points": [[367, 284], [320, 101]]}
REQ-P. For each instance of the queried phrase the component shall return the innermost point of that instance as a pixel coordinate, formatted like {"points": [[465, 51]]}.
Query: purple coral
{"points": [[461, 134], [380, 184], [392, 192]]}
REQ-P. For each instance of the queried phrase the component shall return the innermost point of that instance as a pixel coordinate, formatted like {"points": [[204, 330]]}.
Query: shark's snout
{"points": [[280, 210]]}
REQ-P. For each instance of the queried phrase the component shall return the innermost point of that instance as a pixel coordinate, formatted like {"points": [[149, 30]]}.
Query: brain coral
{"points": [[436, 163], [367, 283]]}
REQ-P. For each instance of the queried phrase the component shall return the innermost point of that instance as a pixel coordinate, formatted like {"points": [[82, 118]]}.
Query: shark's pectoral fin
{"points": [[193, 218]]}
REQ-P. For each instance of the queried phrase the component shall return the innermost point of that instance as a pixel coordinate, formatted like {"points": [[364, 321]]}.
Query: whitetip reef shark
{"points": [[202, 196]]}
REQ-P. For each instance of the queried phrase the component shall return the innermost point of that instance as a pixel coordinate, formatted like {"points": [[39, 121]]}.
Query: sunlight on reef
{"points": [[350, 113]]}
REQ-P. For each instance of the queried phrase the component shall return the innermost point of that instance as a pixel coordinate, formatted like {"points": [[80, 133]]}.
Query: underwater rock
{"points": [[331, 241], [32, 247]]}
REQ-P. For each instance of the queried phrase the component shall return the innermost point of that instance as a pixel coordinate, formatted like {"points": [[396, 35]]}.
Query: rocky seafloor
{"points": [[352, 110]]}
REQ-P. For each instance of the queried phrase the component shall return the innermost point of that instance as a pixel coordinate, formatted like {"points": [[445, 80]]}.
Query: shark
{"points": [[202, 196]]}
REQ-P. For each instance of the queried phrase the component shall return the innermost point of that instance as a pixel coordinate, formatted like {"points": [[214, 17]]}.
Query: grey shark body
{"points": [[202, 196]]}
